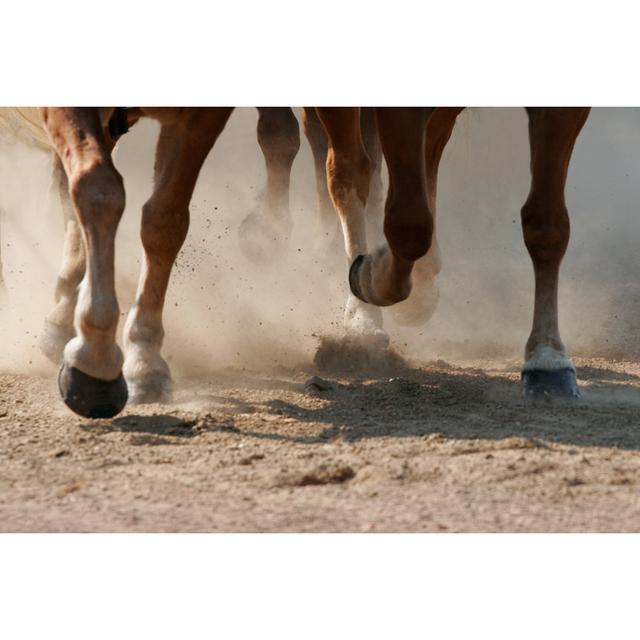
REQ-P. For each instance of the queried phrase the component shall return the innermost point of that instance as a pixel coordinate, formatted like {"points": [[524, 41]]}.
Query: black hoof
{"points": [[354, 279], [91, 397], [538, 384]]}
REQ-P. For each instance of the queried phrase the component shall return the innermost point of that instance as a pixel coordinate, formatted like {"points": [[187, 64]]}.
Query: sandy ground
{"points": [[405, 448]]}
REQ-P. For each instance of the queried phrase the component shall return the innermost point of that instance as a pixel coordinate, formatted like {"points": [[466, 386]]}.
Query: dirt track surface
{"points": [[431, 448]]}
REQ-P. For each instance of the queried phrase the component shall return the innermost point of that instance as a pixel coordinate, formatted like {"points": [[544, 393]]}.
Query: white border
{"points": [[489, 53], [318, 586]]}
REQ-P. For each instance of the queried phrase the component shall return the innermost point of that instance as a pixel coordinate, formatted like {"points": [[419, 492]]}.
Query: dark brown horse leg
{"points": [[279, 138], [182, 148], [421, 305], [348, 176], [384, 277], [545, 222], [91, 380]]}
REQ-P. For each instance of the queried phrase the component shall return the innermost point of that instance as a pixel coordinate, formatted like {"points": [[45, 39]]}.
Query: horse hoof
{"points": [[354, 277], [91, 397], [538, 384]]}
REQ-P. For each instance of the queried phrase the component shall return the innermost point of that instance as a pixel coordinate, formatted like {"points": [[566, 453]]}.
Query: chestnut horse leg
{"points": [[384, 277], [183, 146], [317, 137], [90, 379], [279, 139], [58, 326], [371, 142], [420, 306], [545, 222], [59, 329], [348, 176]]}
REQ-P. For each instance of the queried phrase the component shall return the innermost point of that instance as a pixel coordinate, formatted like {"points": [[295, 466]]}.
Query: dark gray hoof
{"points": [[91, 397], [538, 384], [354, 280]]}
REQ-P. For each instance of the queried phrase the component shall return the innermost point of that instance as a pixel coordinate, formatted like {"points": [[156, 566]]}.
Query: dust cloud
{"points": [[31, 236], [224, 311]]}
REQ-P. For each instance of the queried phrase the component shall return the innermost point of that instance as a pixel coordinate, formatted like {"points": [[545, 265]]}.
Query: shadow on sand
{"points": [[389, 398]]}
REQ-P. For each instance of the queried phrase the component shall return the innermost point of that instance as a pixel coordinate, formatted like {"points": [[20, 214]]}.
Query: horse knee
{"points": [[97, 193], [546, 231], [278, 135]]}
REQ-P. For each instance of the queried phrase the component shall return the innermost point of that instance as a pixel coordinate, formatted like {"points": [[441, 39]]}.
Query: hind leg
{"points": [[279, 138], [371, 141], [319, 143], [91, 380], [420, 306], [348, 176], [58, 328], [182, 148], [545, 224], [384, 277]]}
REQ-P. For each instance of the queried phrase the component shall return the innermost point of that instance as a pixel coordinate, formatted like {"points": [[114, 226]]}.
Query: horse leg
{"points": [[384, 277], [371, 142], [279, 139], [317, 137], [59, 329], [90, 380], [545, 224], [348, 176], [58, 326], [183, 146], [418, 308]]}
